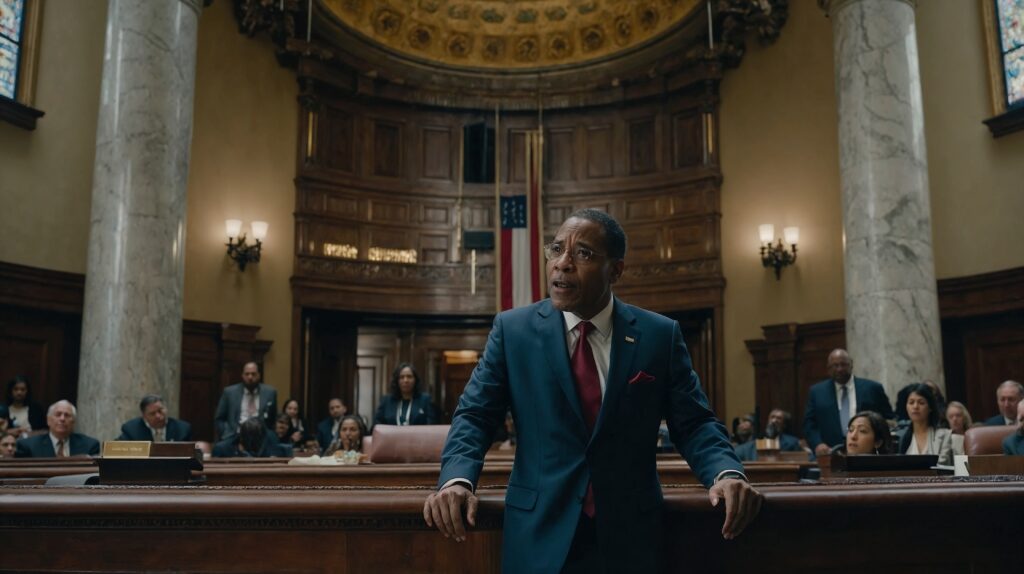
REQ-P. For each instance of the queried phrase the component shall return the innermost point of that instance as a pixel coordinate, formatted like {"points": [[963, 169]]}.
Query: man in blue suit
{"points": [[588, 379], [154, 425], [837, 398], [778, 425], [62, 440], [1009, 395], [245, 400]]}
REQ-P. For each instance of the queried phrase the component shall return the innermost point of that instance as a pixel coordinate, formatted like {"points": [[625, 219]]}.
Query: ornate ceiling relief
{"points": [[503, 35]]}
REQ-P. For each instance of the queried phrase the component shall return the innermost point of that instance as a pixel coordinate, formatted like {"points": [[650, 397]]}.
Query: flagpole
{"points": [[540, 193], [497, 208]]}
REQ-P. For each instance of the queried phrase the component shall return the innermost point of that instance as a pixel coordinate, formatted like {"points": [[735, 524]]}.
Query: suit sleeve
{"points": [[124, 433], [271, 412], [381, 414], [221, 418], [94, 447], [884, 406], [481, 409], [22, 449], [699, 435], [811, 432], [186, 431]]}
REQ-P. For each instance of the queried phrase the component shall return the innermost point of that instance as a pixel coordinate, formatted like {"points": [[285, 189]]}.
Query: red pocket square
{"points": [[641, 377]]}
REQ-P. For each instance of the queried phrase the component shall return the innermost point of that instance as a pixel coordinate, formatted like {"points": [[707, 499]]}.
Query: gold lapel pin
{"points": [[630, 340]]}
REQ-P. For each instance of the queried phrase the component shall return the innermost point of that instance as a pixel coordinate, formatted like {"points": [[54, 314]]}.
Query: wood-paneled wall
{"points": [[41, 332], [982, 346]]}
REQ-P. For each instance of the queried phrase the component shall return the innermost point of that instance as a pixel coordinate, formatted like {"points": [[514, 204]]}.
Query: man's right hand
{"points": [[822, 449], [443, 509]]}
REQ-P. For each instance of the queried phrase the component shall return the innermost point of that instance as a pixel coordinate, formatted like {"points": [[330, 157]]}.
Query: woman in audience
{"points": [[868, 433], [924, 435], [297, 428], [8, 445], [350, 436], [253, 440], [26, 415], [405, 405]]}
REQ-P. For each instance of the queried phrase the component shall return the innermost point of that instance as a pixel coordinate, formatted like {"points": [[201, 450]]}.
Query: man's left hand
{"points": [[742, 503]]}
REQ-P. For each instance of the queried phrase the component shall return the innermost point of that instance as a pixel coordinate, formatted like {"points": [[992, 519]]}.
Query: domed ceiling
{"points": [[506, 35]]}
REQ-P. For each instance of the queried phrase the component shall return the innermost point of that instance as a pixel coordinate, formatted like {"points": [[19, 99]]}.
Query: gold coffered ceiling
{"points": [[510, 35]]}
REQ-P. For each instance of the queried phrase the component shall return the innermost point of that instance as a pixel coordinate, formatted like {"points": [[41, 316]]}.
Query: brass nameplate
{"points": [[126, 449]]}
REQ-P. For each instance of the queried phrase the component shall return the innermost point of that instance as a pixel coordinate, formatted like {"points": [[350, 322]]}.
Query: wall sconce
{"points": [[238, 250], [774, 254]]}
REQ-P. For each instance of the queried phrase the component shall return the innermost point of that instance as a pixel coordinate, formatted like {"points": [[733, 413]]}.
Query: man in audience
{"points": [[1009, 395], [777, 428], [154, 425], [832, 402], [1014, 444], [327, 430], [253, 439], [245, 400], [62, 440]]}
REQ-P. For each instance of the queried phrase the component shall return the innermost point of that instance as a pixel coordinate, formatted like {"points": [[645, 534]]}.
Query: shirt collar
{"points": [[254, 391], [848, 385], [602, 321]]}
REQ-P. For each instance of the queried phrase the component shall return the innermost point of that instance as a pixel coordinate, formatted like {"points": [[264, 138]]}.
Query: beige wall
{"points": [[976, 181], [780, 160], [242, 166], [46, 174]]}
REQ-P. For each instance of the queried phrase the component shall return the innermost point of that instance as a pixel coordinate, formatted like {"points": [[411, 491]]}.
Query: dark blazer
{"points": [[1013, 444], [136, 429], [40, 446], [525, 366], [230, 408], [821, 419], [422, 412], [323, 432], [748, 450], [228, 448], [996, 421]]}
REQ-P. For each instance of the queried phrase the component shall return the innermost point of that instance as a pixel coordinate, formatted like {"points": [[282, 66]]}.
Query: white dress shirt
{"points": [[600, 338], [243, 413]]}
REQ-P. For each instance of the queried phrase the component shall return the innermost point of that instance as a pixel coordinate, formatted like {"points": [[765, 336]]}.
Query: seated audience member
{"points": [[868, 433], [777, 427], [831, 402], [510, 433], [959, 419], [8, 445], [327, 430], [350, 436], [282, 426], [154, 424], [924, 436], [253, 440], [742, 429], [62, 440], [405, 405], [1008, 394], [1014, 444], [25, 414], [5, 419], [296, 424]]}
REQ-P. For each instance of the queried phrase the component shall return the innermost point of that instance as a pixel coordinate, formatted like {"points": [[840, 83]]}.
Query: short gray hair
{"points": [[1013, 385], [74, 411]]}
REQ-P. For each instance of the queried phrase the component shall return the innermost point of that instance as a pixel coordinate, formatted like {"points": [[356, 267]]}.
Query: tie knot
{"points": [[585, 327]]}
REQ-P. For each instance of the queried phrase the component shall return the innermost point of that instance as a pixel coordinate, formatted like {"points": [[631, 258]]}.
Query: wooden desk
{"points": [[841, 528]]}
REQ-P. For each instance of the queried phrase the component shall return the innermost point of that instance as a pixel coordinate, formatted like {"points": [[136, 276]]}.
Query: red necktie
{"points": [[588, 387]]}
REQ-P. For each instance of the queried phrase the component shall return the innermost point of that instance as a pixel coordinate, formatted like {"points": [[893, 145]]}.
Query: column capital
{"points": [[830, 7]]}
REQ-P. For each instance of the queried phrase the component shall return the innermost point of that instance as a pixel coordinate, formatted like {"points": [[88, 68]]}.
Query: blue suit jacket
{"points": [[526, 366], [821, 419], [40, 446], [996, 421], [422, 412], [175, 430], [1013, 444]]}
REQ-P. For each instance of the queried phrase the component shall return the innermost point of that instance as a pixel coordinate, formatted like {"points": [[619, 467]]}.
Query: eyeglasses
{"points": [[580, 254]]}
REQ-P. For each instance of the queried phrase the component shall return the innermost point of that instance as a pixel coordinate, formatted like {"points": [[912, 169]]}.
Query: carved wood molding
{"points": [[42, 289]]}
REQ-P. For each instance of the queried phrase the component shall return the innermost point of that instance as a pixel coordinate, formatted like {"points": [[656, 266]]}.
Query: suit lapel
{"points": [[620, 362], [48, 446], [550, 328]]}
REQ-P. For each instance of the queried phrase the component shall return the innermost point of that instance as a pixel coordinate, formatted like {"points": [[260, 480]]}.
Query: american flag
{"points": [[520, 245]]}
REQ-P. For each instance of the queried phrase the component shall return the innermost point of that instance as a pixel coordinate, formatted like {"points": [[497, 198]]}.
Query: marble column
{"points": [[892, 314], [131, 329]]}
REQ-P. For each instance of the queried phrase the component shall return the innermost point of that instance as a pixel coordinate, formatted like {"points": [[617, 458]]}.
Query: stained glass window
{"points": [[12, 14], [1010, 16]]}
